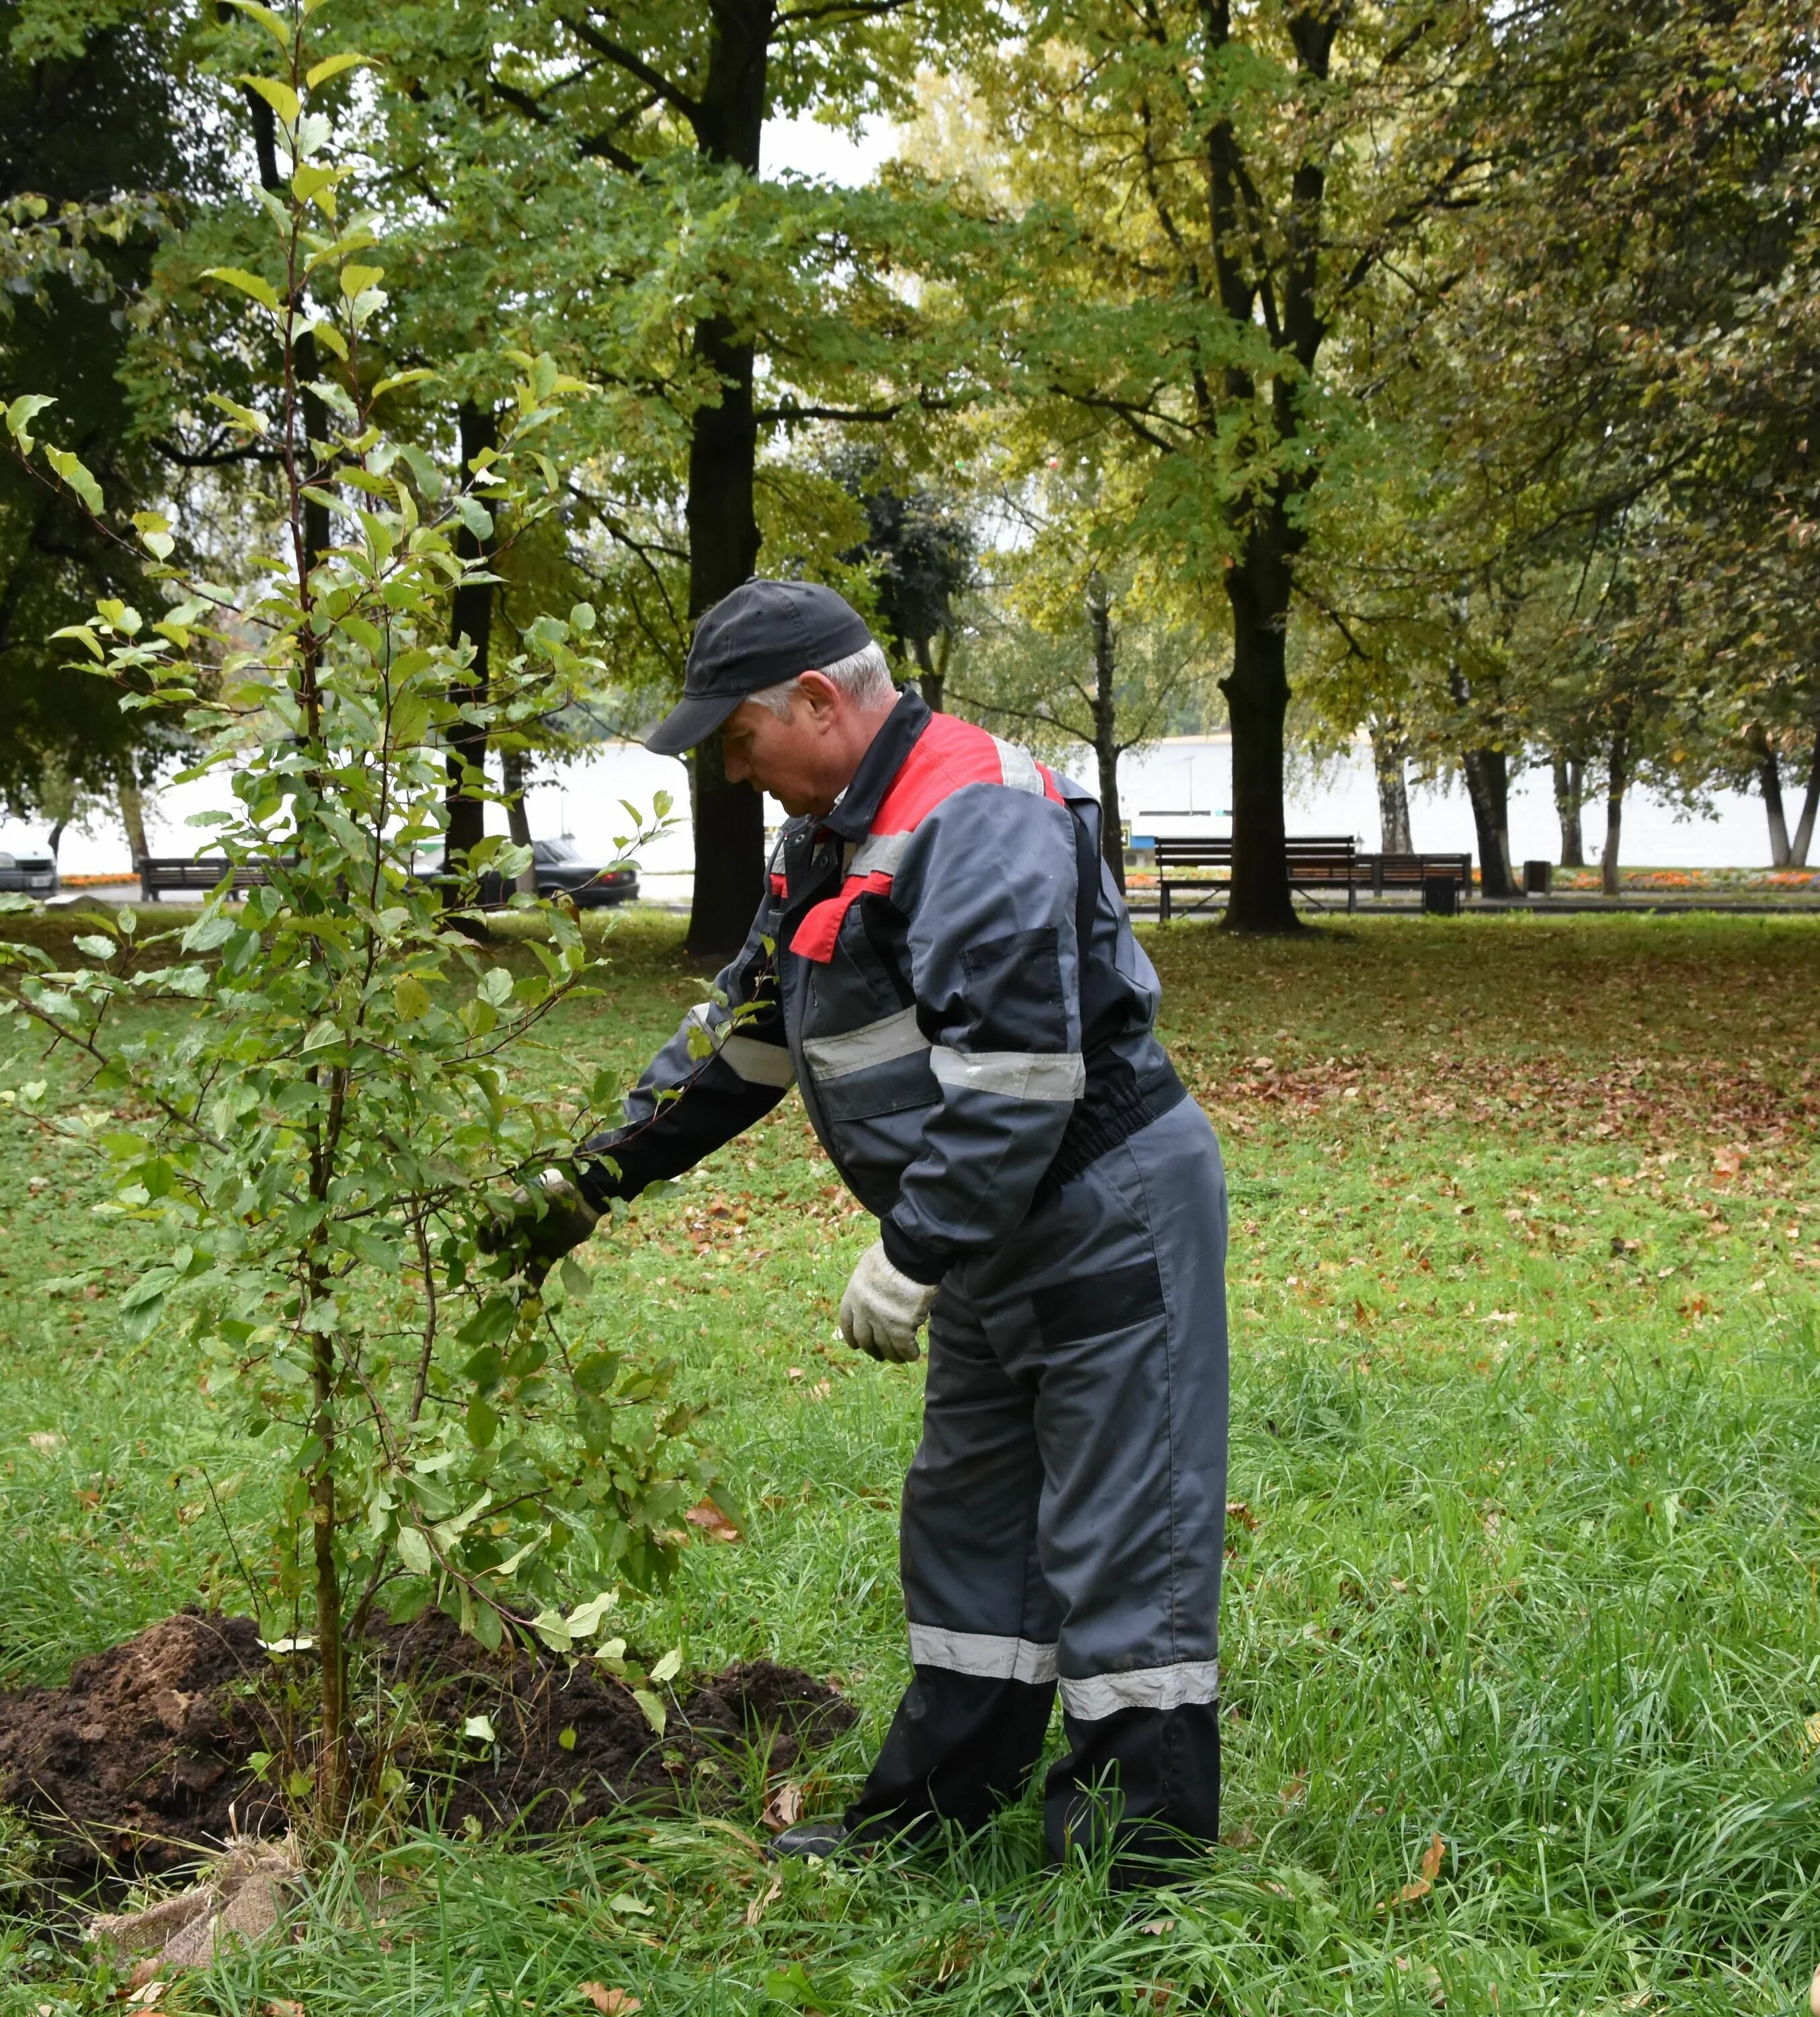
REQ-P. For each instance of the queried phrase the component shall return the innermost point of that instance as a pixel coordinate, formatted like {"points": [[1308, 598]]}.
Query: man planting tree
{"points": [[943, 965]]}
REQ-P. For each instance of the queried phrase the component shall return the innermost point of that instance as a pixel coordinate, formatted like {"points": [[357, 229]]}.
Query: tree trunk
{"points": [[132, 816], [723, 537], [1257, 696], [931, 678], [1106, 727], [1570, 796], [1810, 806], [1390, 757], [1616, 780], [1488, 786], [473, 621], [516, 768], [1769, 780]]}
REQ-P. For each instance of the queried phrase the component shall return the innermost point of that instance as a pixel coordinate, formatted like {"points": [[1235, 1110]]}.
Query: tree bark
{"points": [[1257, 696], [1389, 758], [473, 622], [1106, 727], [1569, 796], [1804, 836], [1769, 781], [1488, 786], [132, 816], [1616, 780], [515, 766], [728, 819], [931, 678]]}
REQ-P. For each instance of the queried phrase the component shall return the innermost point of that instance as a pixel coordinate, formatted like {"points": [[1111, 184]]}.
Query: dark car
{"points": [[561, 870]]}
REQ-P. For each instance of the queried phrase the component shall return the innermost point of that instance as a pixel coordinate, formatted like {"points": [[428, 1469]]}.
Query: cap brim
{"points": [[693, 720]]}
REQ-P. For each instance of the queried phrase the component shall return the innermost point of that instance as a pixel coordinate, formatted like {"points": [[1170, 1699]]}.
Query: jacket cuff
{"points": [[910, 1256], [596, 1181]]}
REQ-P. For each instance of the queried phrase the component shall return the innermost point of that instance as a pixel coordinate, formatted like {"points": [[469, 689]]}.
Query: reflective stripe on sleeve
{"points": [[1013, 1074], [981, 1654], [876, 1044], [1019, 767], [758, 1063], [1177, 1687]]}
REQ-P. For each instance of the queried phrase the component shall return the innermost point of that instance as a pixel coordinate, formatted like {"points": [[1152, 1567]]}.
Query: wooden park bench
{"points": [[1317, 862], [160, 872], [1414, 871]]}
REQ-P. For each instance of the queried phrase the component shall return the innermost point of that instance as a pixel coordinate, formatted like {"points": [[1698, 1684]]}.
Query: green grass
{"points": [[1526, 1402]]}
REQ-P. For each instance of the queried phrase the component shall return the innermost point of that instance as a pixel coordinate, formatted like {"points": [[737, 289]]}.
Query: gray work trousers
{"points": [[1063, 1520]]}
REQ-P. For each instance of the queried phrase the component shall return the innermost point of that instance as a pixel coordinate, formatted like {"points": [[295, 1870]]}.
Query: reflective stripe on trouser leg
{"points": [[982, 1622], [1110, 1301]]}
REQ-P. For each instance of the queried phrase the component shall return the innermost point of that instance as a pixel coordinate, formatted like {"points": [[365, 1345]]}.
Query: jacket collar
{"points": [[852, 818]]}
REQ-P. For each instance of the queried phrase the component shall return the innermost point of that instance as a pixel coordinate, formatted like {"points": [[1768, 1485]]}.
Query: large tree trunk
{"points": [[472, 621], [515, 768], [1257, 696], [1769, 780], [930, 677], [1488, 786], [723, 523], [1570, 796], [1106, 728], [132, 816], [1617, 778], [1389, 758], [1803, 837]]}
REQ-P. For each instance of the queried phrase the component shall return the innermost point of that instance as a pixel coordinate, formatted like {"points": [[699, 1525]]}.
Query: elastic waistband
{"points": [[1100, 1123]]}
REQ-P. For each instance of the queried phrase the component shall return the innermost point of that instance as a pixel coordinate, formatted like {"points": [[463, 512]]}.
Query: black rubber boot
{"points": [[816, 1839]]}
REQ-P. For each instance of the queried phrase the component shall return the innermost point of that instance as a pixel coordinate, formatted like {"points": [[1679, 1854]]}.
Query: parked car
{"points": [[561, 869], [26, 861]]}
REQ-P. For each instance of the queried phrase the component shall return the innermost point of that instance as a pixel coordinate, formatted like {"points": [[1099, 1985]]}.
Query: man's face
{"points": [[798, 758]]}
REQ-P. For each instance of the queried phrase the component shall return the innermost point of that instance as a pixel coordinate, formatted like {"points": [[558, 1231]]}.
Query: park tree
{"points": [[780, 314], [1213, 200], [98, 143], [330, 1144]]}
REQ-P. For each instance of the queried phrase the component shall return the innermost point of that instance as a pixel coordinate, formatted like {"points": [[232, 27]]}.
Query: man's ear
{"points": [[822, 694]]}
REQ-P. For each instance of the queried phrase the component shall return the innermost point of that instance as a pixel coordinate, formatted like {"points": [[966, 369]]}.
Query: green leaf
{"points": [[402, 378], [333, 67], [357, 279], [585, 1620], [414, 1550], [74, 473], [94, 945], [208, 931], [474, 515], [261, 291], [411, 997], [668, 1667], [277, 93], [655, 1714], [242, 416], [20, 414], [155, 532], [480, 1728], [279, 30], [325, 1032], [495, 986]]}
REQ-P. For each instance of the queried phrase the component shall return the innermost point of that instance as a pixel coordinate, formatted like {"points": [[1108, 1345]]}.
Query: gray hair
{"points": [[864, 675]]}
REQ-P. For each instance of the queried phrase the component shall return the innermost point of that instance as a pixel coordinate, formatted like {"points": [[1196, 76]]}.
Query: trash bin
{"points": [[1538, 877], [1440, 895]]}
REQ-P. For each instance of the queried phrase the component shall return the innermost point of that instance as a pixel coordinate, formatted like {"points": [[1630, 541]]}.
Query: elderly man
{"points": [[941, 964]]}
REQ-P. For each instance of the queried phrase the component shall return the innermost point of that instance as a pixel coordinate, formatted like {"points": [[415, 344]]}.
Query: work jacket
{"points": [[944, 967]]}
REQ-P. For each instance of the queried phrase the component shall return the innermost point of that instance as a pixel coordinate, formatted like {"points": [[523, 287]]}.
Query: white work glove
{"points": [[883, 1310]]}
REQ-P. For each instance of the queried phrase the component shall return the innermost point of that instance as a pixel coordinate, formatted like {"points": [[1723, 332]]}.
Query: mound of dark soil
{"points": [[141, 1760]]}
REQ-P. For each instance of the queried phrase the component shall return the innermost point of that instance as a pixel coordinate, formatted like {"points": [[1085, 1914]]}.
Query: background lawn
{"points": [[1527, 1467]]}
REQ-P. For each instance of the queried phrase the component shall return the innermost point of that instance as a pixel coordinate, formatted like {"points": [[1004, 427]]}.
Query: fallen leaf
{"points": [[146, 1974], [45, 1439], [1432, 1858], [282, 2006], [785, 1807], [756, 1911], [1241, 1515], [712, 1521], [609, 2002], [1293, 1792], [1157, 1927], [1811, 1730]]}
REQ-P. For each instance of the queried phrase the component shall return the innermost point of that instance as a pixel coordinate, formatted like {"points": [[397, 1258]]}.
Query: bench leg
{"points": [[1162, 903]]}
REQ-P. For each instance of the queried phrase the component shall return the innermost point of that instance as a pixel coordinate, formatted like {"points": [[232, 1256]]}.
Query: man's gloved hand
{"points": [[541, 1224], [883, 1309]]}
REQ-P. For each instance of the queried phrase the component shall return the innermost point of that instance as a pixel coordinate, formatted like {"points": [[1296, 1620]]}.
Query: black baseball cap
{"points": [[764, 632]]}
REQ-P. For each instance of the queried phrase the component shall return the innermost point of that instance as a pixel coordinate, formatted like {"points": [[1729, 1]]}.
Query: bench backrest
{"points": [[1215, 850]]}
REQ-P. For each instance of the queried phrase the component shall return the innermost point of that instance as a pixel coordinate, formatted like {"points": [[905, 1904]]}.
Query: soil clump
{"points": [[140, 1763]]}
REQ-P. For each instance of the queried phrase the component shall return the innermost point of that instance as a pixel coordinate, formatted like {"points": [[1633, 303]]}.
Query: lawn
{"points": [[1522, 1587]]}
